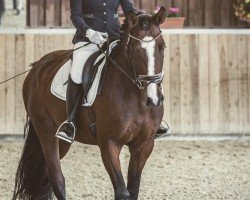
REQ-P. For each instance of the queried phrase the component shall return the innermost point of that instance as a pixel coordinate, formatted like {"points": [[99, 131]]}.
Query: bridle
{"points": [[146, 41], [141, 80], [137, 79]]}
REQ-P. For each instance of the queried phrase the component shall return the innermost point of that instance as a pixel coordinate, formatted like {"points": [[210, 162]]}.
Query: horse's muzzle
{"points": [[151, 103]]}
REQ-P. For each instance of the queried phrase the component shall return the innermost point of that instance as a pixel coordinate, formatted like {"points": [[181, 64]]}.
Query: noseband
{"points": [[138, 80], [146, 79]]}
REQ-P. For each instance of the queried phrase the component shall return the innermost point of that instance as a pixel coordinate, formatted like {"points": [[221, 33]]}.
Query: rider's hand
{"points": [[95, 36]]}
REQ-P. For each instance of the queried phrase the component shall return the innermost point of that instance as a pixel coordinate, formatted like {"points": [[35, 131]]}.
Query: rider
{"points": [[94, 21]]}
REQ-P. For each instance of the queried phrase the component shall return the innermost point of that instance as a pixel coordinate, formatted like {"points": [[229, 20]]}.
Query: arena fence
{"points": [[198, 13], [206, 83]]}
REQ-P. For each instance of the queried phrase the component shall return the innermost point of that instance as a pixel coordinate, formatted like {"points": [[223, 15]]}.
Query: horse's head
{"points": [[146, 53]]}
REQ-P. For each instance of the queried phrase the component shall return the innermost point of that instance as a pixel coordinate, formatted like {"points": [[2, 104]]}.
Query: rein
{"points": [[39, 65], [118, 66], [148, 79], [138, 80]]}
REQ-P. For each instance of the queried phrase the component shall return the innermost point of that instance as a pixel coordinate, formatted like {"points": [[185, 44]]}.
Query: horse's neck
{"points": [[119, 84]]}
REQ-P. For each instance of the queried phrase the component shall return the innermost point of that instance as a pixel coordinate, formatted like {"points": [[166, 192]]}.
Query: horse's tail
{"points": [[32, 177]]}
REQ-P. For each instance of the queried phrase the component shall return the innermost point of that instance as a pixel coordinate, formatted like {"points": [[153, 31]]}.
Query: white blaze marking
{"points": [[150, 50]]}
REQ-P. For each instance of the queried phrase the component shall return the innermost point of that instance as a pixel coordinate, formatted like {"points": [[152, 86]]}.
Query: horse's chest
{"points": [[140, 124]]}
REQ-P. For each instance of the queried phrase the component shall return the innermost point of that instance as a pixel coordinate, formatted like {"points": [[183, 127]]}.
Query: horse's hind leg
{"points": [[50, 146], [110, 155], [54, 166], [139, 156]]}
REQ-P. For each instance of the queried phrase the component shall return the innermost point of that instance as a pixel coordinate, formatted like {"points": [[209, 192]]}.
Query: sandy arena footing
{"points": [[176, 170]]}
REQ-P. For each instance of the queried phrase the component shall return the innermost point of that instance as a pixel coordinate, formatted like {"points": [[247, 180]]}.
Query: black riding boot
{"points": [[74, 97]]}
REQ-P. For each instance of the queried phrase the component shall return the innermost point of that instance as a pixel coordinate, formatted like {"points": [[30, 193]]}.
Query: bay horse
{"points": [[128, 112]]}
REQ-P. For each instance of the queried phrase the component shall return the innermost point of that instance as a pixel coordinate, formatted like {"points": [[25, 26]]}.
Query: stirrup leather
{"points": [[63, 136]]}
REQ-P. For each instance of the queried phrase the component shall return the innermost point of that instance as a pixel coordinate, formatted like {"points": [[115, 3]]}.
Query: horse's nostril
{"points": [[162, 98], [150, 102]]}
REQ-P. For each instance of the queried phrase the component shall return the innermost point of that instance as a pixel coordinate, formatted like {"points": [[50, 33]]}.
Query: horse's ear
{"points": [[160, 16], [132, 19]]}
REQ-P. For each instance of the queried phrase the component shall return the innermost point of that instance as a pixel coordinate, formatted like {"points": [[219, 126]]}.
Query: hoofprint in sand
{"points": [[175, 170]]}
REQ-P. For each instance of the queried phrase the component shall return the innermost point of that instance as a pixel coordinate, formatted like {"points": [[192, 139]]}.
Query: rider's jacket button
{"points": [[104, 13], [104, 4]]}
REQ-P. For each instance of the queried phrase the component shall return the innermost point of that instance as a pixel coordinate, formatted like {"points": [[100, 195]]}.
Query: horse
{"points": [[128, 112]]}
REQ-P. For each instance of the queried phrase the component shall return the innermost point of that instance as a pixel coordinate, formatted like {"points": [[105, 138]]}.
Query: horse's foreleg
{"points": [[139, 156], [110, 155]]}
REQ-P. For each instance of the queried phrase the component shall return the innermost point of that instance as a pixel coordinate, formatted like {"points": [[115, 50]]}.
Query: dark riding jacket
{"points": [[99, 15]]}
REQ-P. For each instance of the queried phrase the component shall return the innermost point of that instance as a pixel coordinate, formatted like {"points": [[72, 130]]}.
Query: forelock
{"points": [[145, 21]]}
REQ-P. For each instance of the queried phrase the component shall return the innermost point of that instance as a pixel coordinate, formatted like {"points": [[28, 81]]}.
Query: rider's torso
{"points": [[102, 16]]}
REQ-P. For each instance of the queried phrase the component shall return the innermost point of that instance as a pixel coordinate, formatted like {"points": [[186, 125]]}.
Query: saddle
{"points": [[90, 71], [92, 79]]}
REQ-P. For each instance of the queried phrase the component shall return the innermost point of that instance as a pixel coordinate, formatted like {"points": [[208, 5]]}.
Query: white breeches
{"points": [[80, 57]]}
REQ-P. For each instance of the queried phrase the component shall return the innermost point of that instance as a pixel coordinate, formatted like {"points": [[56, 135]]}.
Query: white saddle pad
{"points": [[59, 88]]}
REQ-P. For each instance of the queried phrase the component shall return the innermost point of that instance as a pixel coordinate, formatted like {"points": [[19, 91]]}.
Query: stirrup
{"points": [[162, 135], [167, 134], [63, 136]]}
